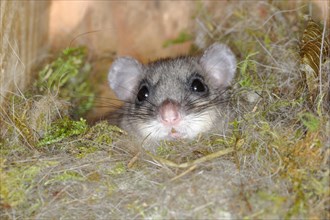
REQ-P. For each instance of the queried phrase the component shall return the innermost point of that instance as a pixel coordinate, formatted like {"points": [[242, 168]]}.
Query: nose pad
{"points": [[169, 112]]}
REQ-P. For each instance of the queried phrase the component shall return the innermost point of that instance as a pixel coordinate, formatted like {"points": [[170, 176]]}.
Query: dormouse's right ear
{"points": [[219, 63], [123, 77]]}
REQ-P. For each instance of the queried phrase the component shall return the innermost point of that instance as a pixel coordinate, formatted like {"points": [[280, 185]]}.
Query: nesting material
{"points": [[273, 164]]}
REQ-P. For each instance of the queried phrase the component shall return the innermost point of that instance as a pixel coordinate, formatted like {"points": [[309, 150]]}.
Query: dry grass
{"points": [[274, 164]]}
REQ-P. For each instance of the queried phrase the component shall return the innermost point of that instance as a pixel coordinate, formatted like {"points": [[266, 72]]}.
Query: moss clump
{"points": [[104, 133], [246, 67], [311, 122], [67, 76], [16, 182], [65, 176], [120, 168], [61, 129], [85, 150]]}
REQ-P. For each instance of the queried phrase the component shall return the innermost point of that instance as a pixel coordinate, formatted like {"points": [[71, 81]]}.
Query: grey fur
{"points": [[170, 79]]}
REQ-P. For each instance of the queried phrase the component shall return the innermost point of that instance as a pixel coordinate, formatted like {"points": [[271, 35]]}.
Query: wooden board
{"points": [[24, 42]]}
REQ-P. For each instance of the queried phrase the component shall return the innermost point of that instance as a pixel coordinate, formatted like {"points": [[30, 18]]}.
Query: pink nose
{"points": [[169, 113]]}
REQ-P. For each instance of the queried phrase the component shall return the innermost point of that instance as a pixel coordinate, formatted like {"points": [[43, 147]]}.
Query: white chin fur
{"points": [[190, 126]]}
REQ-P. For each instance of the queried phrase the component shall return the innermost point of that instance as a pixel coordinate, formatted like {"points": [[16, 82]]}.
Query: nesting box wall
{"points": [[24, 41], [135, 28]]}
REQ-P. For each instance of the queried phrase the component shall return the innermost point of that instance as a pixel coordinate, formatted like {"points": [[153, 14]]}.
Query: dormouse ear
{"points": [[219, 62], [123, 77]]}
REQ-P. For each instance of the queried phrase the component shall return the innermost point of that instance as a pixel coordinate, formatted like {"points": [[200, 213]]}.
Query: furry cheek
{"points": [[191, 126]]}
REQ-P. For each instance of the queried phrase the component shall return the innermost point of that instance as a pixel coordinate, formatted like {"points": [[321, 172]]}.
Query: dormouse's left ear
{"points": [[219, 62]]}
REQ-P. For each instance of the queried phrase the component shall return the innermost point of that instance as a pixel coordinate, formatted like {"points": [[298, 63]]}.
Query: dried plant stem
{"points": [[321, 51], [184, 173], [194, 162]]}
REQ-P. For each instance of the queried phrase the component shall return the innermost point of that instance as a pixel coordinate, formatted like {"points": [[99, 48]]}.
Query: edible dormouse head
{"points": [[173, 97]]}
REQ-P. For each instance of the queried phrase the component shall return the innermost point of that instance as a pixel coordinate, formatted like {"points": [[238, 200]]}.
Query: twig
{"points": [[321, 50], [194, 162], [184, 173]]}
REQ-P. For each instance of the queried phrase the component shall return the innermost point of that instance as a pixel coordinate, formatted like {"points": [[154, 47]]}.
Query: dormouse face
{"points": [[173, 98]]}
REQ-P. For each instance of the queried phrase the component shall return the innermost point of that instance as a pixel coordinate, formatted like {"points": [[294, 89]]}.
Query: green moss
{"points": [[111, 188], [66, 175], [311, 122], [16, 181], [56, 74], [246, 66], [94, 177], [119, 168], [83, 151], [163, 150], [63, 128], [104, 133], [67, 76], [275, 203], [7, 149]]}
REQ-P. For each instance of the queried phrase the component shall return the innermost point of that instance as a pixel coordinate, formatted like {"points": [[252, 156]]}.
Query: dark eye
{"points": [[143, 94], [197, 86]]}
